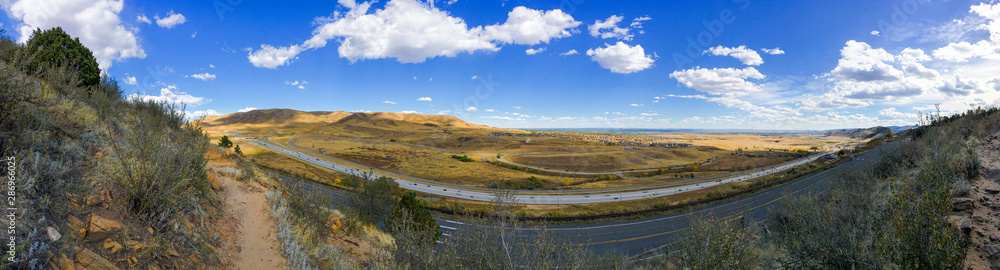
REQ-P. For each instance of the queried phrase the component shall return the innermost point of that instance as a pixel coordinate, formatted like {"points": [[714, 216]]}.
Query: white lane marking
{"points": [[450, 228]]}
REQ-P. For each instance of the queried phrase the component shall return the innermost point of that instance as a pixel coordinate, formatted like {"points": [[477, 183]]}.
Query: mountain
{"points": [[288, 118], [861, 133]]}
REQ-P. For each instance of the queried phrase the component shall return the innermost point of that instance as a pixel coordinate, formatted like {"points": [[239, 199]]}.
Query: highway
{"points": [[634, 237], [454, 191]]}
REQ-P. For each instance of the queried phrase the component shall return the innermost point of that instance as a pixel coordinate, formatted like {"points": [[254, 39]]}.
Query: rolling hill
{"points": [[861, 133], [367, 122]]}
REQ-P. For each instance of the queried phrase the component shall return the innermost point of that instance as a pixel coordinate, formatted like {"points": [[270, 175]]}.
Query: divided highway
{"points": [[454, 191], [635, 237]]}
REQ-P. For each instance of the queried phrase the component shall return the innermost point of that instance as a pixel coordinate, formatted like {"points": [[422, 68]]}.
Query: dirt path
{"points": [[984, 252], [253, 244]]}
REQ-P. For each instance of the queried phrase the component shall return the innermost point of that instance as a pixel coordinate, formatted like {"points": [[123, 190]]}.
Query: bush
{"points": [[375, 200], [159, 166], [53, 47]]}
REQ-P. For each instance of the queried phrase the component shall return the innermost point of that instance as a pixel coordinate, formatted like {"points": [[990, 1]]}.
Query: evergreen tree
{"points": [[54, 47]]}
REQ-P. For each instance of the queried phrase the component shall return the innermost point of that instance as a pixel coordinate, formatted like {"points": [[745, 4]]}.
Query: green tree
{"points": [[237, 150], [422, 219], [225, 142], [54, 47]]}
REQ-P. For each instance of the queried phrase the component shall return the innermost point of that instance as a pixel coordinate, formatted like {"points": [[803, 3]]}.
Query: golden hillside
{"points": [[279, 119]]}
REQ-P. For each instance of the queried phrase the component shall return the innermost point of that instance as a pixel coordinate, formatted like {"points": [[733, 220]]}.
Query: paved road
{"points": [[453, 191], [633, 237]]}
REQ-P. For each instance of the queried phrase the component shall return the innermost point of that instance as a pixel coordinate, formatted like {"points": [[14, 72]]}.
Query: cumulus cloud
{"points": [[533, 51], [568, 53], [203, 76], [608, 28], [412, 32], [389, 102], [892, 113], [719, 81], [471, 109], [875, 33], [747, 56], [959, 86], [172, 19], [95, 22], [424, 99], [143, 19], [130, 80], [621, 58], [988, 48], [272, 57], [490, 110], [775, 51], [199, 114], [860, 62], [171, 96], [247, 109]]}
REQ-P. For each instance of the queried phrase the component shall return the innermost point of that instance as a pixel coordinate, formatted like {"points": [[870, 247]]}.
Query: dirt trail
{"points": [[253, 243], [984, 252]]}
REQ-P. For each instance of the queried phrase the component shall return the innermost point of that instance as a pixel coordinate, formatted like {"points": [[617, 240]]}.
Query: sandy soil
{"points": [[253, 242], [984, 252]]}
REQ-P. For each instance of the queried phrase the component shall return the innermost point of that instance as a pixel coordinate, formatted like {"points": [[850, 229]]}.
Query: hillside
{"points": [[861, 133], [292, 119]]}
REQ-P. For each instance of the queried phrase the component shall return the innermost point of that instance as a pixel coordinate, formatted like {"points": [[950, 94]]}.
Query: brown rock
{"points": [[193, 258], [961, 223], [135, 246], [100, 228], [112, 246], [173, 252], [54, 235], [62, 263], [150, 230], [992, 190], [74, 224], [212, 180], [90, 260], [962, 204], [95, 200]]}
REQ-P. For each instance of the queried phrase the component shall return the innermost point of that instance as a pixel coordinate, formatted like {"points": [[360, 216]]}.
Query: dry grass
{"points": [[618, 161]]}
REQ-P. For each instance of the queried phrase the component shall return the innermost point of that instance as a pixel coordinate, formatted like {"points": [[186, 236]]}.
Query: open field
{"points": [[424, 146], [619, 161]]}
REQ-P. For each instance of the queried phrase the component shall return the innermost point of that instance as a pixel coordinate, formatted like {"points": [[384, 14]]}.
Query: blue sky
{"points": [[653, 64]]}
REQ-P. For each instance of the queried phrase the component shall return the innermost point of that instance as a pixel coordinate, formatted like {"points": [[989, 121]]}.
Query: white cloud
{"points": [[170, 95], [959, 86], [649, 114], [143, 19], [862, 63], [389, 102], [568, 53], [490, 110], [517, 107], [412, 32], [747, 56], [199, 114], [424, 99], [471, 109], [130, 80], [988, 48], [95, 22], [194, 34], [533, 51], [875, 33], [891, 113], [775, 51], [475, 77], [211, 66], [247, 109], [172, 19], [634, 105], [608, 28], [302, 86], [408, 111], [719, 81], [621, 58], [272, 57], [203, 76], [565, 118]]}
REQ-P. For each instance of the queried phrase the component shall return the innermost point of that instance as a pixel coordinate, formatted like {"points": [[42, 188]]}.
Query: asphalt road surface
{"points": [[634, 237], [441, 189]]}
